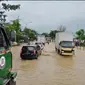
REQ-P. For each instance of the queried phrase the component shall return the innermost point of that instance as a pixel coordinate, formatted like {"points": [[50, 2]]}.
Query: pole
{"points": [[15, 36]]}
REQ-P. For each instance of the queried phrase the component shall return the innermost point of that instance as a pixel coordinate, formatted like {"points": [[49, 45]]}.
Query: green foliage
{"points": [[19, 36], [45, 34], [27, 31], [30, 33], [15, 26], [8, 32], [10, 7], [35, 32], [53, 33], [80, 34]]}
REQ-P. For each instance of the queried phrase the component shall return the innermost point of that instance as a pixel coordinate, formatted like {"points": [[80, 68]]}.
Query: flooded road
{"points": [[50, 68]]}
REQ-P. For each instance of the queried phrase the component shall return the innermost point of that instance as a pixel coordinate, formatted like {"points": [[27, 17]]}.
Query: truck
{"points": [[7, 77], [64, 43]]}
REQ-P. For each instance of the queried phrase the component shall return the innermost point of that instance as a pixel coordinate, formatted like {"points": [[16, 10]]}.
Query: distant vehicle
{"points": [[64, 43], [14, 43], [39, 50], [30, 52], [48, 39], [40, 44], [41, 39], [76, 42]]}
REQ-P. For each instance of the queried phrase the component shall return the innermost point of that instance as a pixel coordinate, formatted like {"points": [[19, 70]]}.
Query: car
{"points": [[30, 52], [40, 44], [39, 49], [14, 43]]}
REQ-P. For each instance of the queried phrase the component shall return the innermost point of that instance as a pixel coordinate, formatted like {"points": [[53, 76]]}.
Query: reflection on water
{"points": [[28, 65], [65, 61], [50, 68]]}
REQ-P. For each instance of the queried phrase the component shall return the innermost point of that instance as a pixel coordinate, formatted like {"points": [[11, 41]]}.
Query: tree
{"points": [[8, 28], [19, 36], [80, 34], [27, 31], [35, 32], [32, 36], [10, 7], [45, 34], [31, 33], [15, 26], [7, 7], [52, 34], [61, 28]]}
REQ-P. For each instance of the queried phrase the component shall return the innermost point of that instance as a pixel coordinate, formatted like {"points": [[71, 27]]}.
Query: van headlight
{"points": [[73, 49], [2, 62]]}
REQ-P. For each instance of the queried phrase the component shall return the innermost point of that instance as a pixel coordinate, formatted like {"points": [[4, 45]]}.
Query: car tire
{"points": [[40, 53], [36, 57], [58, 51], [22, 58]]}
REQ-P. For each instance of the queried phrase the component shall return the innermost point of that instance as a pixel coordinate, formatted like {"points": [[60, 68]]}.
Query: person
{"points": [[84, 45], [48, 42], [38, 47], [77, 43], [42, 46]]}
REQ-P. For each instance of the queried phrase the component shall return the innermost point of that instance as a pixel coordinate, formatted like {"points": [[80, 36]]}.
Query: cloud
{"points": [[47, 15]]}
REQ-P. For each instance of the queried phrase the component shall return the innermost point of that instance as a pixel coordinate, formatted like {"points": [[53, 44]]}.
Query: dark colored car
{"points": [[29, 52]]}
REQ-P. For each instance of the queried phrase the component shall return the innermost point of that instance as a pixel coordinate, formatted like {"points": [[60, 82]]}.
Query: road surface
{"points": [[50, 68]]}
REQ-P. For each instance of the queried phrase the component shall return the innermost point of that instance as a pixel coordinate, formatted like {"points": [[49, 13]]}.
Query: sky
{"points": [[44, 16]]}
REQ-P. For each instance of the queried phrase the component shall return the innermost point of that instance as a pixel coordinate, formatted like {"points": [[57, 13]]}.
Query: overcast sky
{"points": [[44, 16]]}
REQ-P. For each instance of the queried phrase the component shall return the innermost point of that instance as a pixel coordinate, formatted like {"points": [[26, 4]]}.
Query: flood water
{"points": [[50, 68]]}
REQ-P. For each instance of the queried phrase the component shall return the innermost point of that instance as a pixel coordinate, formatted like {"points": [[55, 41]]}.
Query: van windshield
{"points": [[67, 44]]}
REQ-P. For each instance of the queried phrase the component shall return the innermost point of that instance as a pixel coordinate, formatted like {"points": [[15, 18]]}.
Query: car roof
{"points": [[29, 46], [39, 42]]}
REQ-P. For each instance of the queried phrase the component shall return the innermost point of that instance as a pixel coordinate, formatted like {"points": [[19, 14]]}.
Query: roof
{"points": [[30, 45]]}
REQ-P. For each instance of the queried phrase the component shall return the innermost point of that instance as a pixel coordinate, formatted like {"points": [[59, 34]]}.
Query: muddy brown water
{"points": [[50, 68]]}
